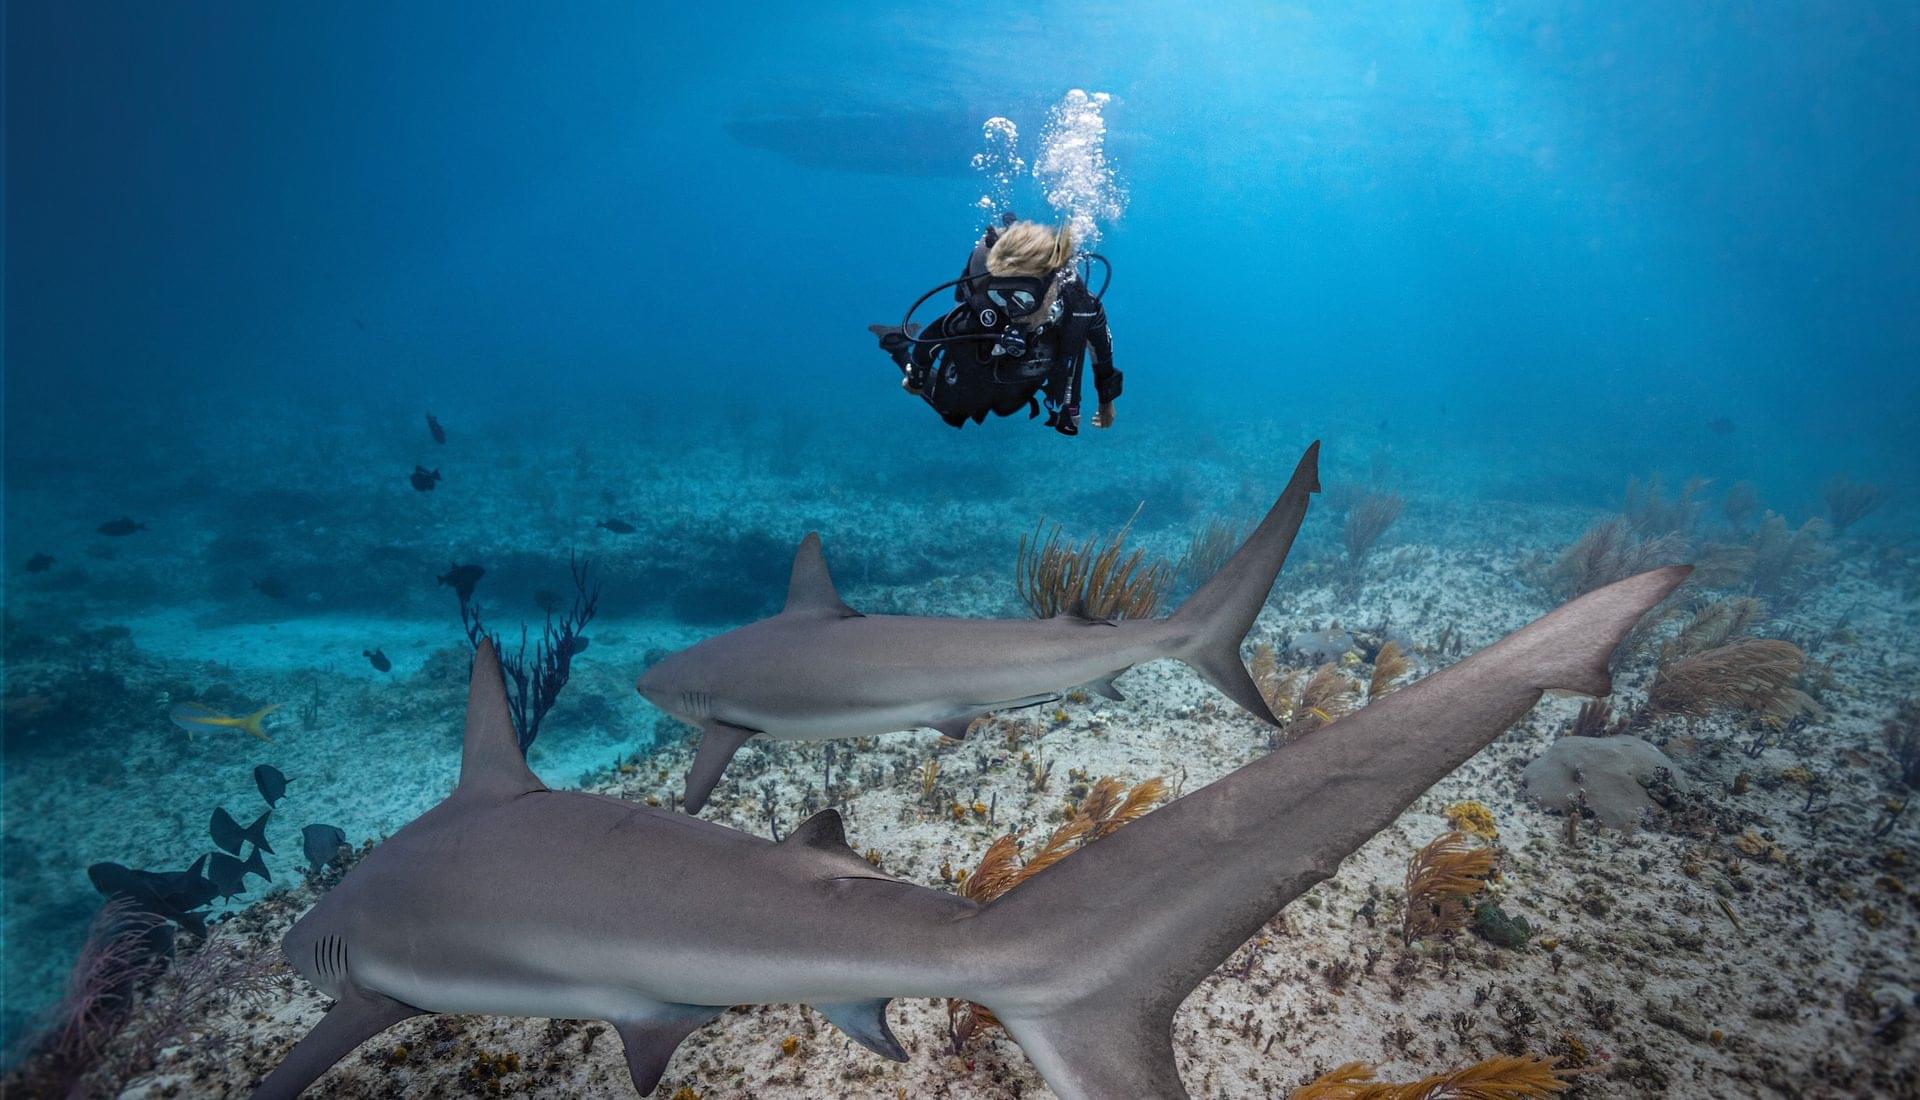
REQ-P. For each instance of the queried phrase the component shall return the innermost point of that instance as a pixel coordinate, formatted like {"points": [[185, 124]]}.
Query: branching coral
{"points": [[1610, 550], [1098, 579], [1849, 501], [533, 684], [1500, 1078], [1442, 879], [1753, 675], [1107, 806], [1367, 520]]}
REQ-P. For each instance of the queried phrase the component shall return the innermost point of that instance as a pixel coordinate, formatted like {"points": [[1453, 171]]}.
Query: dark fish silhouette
{"points": [[229, 875], [321, 843], [547, 600], [462, 579], [578, 644], [228, 834], [39, 563], [618, 526], [121, 526], [433, 426], [272, 784], [272, 588], [377, 659], [174, 895], [423, 479]]}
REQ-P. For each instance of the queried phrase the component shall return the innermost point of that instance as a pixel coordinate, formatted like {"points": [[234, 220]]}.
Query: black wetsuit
{"points": [[964, 380]]}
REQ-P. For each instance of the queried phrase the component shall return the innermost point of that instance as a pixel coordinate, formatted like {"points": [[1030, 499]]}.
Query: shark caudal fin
{"points": [[1101, 948], [1217, 617]]}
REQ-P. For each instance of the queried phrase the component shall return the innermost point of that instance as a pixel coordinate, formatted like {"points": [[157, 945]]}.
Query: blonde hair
{"points": [[1029, 248]]}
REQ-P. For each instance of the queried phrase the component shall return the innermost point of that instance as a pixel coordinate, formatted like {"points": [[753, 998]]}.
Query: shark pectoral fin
{"points": [[356, 1017], [810, 587], [865, 1022], [1105, 687], [651, 1040], [718, 742], [955, 728]]}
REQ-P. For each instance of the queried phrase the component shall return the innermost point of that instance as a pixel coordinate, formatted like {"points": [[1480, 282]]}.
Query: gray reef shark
{"points": [[819, 669], [511, 899]]}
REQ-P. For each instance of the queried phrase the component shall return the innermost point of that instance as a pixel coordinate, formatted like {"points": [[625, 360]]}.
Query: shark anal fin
{"points": [[357, 1016], [810, 588], [865, 1022], [651, 1040], [718, 742]]}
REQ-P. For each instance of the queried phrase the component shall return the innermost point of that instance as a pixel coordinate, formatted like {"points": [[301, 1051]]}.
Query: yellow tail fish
{"points": [[198, 716]]}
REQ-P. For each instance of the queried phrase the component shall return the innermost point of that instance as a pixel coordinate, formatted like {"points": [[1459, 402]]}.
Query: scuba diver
{"points": [[1018, 336]]}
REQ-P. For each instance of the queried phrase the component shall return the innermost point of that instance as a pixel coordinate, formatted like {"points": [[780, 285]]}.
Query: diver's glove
{"points": [[1103, 416]]}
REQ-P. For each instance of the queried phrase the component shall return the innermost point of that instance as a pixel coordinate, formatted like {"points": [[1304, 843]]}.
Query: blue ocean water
{"points": [[1488, 253]]}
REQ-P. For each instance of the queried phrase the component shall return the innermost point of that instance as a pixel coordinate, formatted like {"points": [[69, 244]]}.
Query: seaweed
{"points": [[1777, 562], [116, 959], [1303, 702], [1208, 550], [1740, 504], [1098, 579], [534, 683], [1367, 520], [1498, 1078], [1902, 735], [1594, 719], [1652, 513], [1442, 879]]}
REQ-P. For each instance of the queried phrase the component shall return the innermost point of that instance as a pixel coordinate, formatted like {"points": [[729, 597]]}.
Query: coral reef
{"points": [[1605, 776]]}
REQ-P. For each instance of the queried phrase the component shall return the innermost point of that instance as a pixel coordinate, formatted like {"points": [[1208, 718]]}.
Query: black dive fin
{"points": [[865, 1022], [810, 588], [491, 762], [255, 866], [354, 1018], [650, 1042], [718, 742]]}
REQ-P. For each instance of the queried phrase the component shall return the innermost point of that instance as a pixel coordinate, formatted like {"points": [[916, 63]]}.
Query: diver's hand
{"points": [[1103, 416], [912, 384]]}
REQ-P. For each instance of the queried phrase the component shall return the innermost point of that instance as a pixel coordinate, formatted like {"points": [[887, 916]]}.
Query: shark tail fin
{"points": [[251, 723], [1217, 617]]}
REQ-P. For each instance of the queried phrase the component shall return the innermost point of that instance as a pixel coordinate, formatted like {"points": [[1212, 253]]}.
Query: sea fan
{"points": [[1441, 879], [1388, 666], [1367, 520], [1501, 1078], [1754, 675], [1098, 579]]}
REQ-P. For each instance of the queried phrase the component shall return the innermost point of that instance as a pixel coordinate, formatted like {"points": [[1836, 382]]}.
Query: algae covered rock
{"points": [[1606, 773]]}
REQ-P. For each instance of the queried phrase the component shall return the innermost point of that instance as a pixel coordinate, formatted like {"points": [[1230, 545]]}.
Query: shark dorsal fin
{"points": [[491, 763], [811, 587], [823, 830]]}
